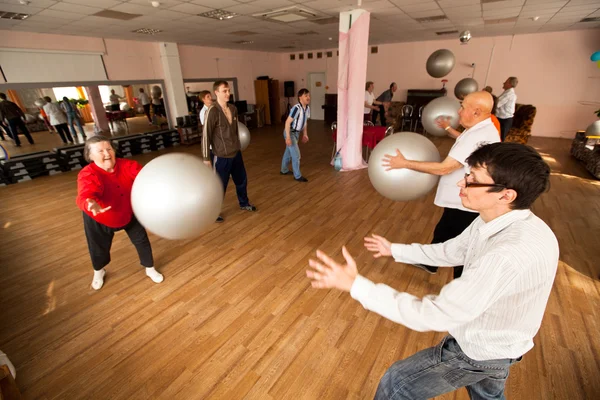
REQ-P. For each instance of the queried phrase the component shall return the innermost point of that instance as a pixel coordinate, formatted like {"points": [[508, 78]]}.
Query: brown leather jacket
{"points": [[219, 133]]}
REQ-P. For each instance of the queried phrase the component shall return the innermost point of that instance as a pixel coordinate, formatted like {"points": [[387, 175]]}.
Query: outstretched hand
{"points": [[327, 273], [378, 245], [443, 122], [95, 208], [394, 162]]}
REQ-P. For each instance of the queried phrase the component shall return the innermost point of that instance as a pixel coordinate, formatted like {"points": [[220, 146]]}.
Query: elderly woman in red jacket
{"points": [[104, 196]]}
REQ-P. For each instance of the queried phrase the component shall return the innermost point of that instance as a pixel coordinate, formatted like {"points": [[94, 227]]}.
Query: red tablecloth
{"points": [[371, 135]]}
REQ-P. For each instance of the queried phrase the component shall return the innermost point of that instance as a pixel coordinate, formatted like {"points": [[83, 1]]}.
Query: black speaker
{"points": [[288, 89]]}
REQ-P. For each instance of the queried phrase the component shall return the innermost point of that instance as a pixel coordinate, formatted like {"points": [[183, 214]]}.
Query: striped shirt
{"points": [[299, 116], [496, 307]]}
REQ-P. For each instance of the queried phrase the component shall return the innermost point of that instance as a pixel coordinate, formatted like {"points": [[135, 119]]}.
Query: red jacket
{"points": [[108, 189]]}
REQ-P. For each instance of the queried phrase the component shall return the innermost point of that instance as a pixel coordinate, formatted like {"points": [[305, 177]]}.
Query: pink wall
{"points": [[210, 62], [124, 59], [554, 70]]}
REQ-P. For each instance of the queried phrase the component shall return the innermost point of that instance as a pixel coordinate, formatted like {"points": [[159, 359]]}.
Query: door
{"points": [[316, 81]]}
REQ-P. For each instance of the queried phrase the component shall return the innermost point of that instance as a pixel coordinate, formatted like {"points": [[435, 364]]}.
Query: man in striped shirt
{"points": [[296, 123], [494, 310]]}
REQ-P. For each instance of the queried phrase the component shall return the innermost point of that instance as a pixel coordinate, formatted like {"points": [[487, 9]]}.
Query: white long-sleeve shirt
{"points": [[496, 307], [505, 106]]}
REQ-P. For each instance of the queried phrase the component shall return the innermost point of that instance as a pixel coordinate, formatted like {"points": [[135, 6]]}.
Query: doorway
{"points": [[316, 85]]}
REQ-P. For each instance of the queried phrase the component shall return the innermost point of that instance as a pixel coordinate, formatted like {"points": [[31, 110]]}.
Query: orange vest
{"points": [[496, 123]]}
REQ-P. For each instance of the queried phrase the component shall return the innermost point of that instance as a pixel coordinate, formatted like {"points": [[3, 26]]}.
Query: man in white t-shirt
{"points": [[370, 102], [475, 117]]}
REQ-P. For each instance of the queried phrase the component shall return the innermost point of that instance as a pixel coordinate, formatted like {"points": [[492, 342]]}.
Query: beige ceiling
{"points": [[392, 20]]}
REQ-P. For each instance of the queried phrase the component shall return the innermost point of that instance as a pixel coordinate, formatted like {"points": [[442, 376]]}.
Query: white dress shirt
{"points": [[505, 106], [56, 115], [144, 99], [369, 98], [496, 307], [471, 139], [203, 114]]}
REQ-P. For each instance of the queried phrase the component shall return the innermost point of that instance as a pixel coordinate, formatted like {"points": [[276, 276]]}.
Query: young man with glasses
{"points": [[474, 115], [495, 309]]}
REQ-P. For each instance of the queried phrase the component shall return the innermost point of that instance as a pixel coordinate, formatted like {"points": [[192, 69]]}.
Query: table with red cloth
{"points": [[371, 136]]}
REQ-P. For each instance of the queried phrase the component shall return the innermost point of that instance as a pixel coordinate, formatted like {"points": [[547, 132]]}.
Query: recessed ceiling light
{"points": [[12, 15], [147, 31], [219, 14]]}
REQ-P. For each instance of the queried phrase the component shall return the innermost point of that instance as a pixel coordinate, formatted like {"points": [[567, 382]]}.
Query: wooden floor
{"points": [[236, 318]]}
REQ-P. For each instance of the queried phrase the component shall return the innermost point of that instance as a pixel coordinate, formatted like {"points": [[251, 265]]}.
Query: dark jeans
{"points": [[63, 131], [235, 168], [15, 124], [452, 224], [442, 369], [100, 237], [381, 113], [505, 125], [147, 112]]}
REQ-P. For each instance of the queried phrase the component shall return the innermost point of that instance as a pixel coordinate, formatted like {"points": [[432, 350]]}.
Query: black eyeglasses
{"points": [[474, 184]]}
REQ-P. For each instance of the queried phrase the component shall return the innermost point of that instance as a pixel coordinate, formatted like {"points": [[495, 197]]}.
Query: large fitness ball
{"points": [[403, 184], [593, 129], [464, 87], [244, 135], [176, 196], [440, 63], [440, 107]]}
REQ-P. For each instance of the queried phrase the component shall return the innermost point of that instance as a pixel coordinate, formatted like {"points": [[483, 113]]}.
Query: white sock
{"points": [[5, 361], [154, 275], [98, 280]]}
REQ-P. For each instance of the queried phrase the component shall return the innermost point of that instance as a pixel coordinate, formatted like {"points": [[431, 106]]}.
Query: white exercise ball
{"points": [[403, 184], [244, 135], [464, 87], [176, 196], [440, 107], [125, 107], [593, 129], [440, 63]]}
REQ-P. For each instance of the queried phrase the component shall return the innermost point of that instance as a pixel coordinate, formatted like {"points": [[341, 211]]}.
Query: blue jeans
{"points": [[442, 369], [72, 117], [292, 152]]}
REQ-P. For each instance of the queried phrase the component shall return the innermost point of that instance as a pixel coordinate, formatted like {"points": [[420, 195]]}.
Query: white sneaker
{"points": [[98, 280], [154, 275]]}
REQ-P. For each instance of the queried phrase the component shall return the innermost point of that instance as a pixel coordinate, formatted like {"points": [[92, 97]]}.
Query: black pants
{"points": [[147, 112], [100, 237], [15, 124], [505, 125], [234, 167], [63, 131], [115, 107], [452, 224], [381, 113]]}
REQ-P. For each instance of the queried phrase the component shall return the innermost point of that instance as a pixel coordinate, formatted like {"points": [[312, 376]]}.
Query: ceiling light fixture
{"points": [[147, 31], [219, 14], [12, 15], [535, 18], [155, 4], [244, 42]]}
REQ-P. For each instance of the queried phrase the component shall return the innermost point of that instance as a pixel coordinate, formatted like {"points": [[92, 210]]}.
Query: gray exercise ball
{"points": [[440, 63], [403, 184], [440, 107], [593, 129], [464, 87], [244, 135]]}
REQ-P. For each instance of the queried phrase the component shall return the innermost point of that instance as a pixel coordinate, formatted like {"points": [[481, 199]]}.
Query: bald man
{"points": [[474, 116]]}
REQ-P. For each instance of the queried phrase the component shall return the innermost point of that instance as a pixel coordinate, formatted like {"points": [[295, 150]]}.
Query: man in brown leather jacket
{"points": [[221, 132]]}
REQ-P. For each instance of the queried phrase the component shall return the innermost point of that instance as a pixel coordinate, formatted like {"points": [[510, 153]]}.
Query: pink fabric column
{"points": [[97, 108], [352, 76]]}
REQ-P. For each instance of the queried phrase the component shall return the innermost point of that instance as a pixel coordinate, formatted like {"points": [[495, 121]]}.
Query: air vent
{"points": [[329, 54], [292, 57], [116, 15], [242, 33], [244, 42], [218, 14], [442, 33], [11, 15], [326, 21], [490, 1], [432, 19], [307, 33], [319, 55], [287, 47], [147, 31], [590, 19], [288, 14], [374, 50], [310, 56], [301, 56], [500, 21]]}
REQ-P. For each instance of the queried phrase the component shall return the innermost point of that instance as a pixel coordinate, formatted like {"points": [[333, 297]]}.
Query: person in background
{"points": [[73, 116], [145, 102], [206, 99], [14, 117], [221, 132], [474, 115], [385, 99], [296, 122], [491, 313], [505, 107], [104, 196], [115, 101], [58, 119], [370, 102]]}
